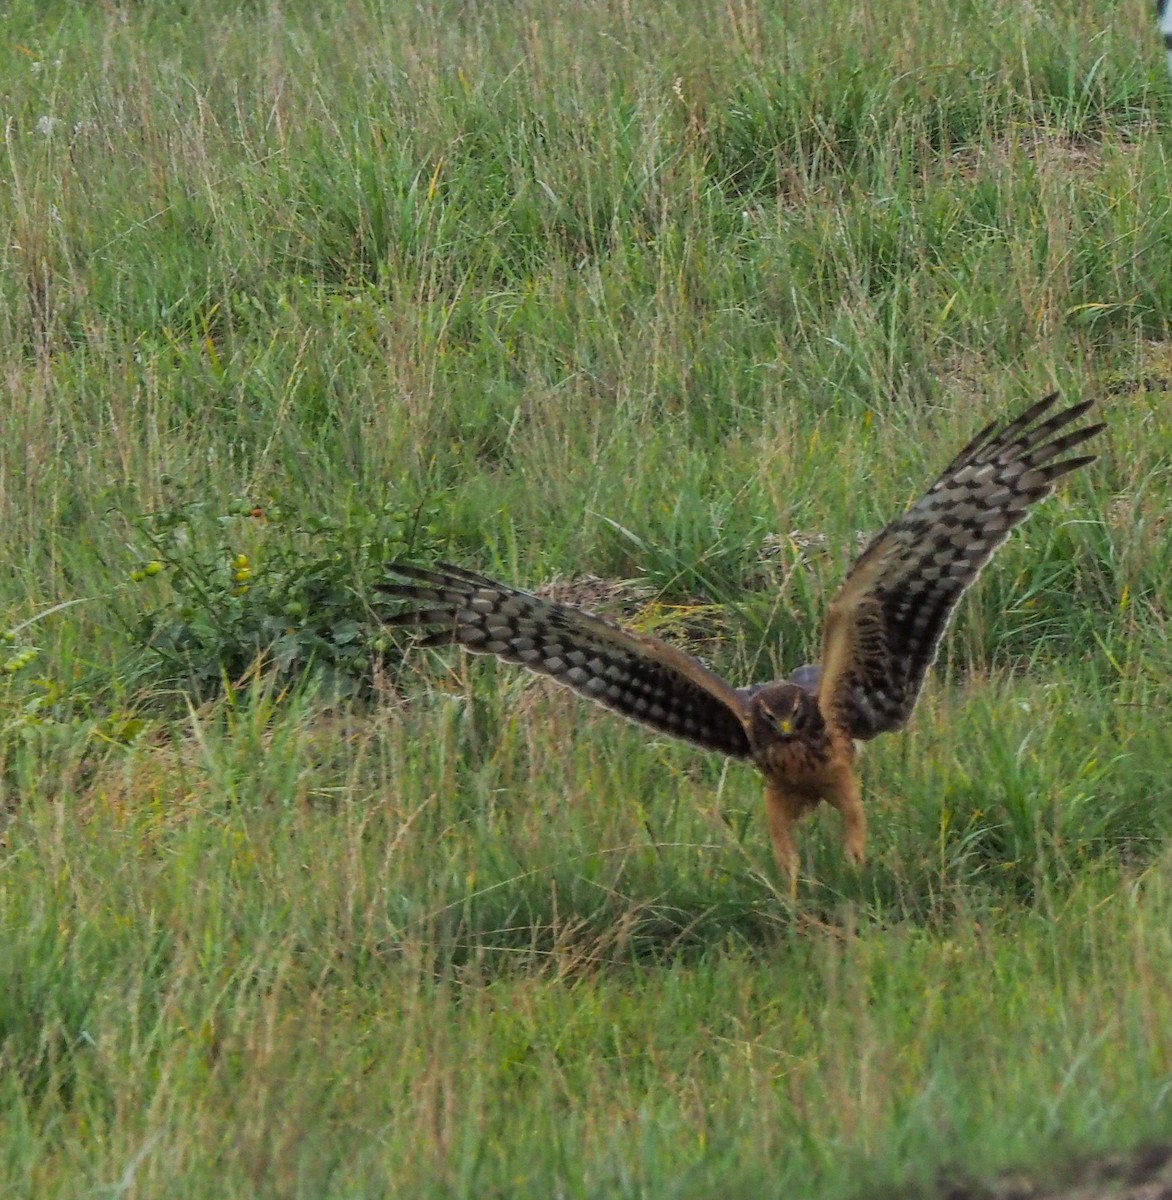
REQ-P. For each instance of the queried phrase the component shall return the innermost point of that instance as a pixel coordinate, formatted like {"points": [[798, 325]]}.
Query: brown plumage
{"points": [[882, 632]]}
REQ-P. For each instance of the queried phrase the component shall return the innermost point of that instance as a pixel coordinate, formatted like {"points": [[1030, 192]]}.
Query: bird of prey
{"points": [[881, 633]]}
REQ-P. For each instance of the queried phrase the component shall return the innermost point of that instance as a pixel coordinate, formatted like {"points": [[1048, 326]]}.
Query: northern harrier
{"points": [[881, 635]]}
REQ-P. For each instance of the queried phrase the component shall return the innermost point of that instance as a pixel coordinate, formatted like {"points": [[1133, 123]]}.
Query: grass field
{"points": [[688, 294]]}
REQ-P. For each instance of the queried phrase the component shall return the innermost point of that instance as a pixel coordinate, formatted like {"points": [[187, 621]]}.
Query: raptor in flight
{"points": [[881, 634]]}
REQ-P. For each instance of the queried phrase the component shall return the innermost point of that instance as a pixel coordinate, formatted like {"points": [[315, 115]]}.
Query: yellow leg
{"points": [[849, 802], [781, 811]]}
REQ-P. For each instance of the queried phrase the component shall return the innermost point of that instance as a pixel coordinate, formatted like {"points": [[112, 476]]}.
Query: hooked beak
{"points": [[786, 726]]}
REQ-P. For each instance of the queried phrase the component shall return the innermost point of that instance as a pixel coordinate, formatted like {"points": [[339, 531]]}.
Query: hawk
{"points": [[881, 634]]}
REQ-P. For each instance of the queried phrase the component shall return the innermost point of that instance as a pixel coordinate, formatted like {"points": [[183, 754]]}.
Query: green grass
{"points": [[693, 293]]}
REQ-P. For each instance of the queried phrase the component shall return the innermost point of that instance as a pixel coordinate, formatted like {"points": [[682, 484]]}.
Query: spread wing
{"points": [[883, 629], [641, 677]]}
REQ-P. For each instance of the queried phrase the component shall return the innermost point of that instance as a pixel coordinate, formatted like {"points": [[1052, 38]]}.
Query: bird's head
{"points": [[781, 711]]}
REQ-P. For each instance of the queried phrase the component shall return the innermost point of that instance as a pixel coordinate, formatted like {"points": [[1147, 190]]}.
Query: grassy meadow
{"points": [[688, 296]]}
